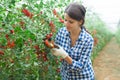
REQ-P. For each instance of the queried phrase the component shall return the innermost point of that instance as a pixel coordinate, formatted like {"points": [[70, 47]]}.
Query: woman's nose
{"points": [[67, 23]]}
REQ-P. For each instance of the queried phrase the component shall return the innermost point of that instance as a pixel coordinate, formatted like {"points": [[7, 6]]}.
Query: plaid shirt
{"points": [[81, 67]]}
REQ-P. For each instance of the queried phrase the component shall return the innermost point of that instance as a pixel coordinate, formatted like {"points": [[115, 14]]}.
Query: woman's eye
{"points": [[65, 20], [71, 22]]}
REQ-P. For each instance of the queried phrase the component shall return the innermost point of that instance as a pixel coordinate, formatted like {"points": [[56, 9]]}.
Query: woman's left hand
{"points": [[59, 52]]}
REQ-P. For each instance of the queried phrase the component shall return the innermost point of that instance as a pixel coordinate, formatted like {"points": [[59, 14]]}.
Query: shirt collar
{"points": [[81, 36]]}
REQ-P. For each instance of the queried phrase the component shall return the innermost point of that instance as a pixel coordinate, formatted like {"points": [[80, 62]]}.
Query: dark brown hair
{"points": [[76, 11]]}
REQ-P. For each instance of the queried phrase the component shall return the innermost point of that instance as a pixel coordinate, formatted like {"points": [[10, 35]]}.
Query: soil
{"points": [[107, 63]]}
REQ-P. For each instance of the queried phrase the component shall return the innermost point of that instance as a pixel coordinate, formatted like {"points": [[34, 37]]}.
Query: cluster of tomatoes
{"points": [[49, 42], [27, 13]]}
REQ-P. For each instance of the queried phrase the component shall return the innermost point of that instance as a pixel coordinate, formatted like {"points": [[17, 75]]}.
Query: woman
{"points": [[75, 45]]}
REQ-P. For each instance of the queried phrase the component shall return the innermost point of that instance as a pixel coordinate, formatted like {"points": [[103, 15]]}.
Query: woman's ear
{"points": [[80, 22]]}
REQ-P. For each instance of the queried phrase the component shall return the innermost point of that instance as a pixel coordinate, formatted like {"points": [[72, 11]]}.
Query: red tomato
{"points": [[48, 36], [11, 31], [61, 20], [1, 52], [54, 12], [36, 47], [47, 42]]}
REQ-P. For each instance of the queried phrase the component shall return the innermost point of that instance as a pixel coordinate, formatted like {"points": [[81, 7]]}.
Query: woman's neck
{"points": [[75, 33], [74, 36]]}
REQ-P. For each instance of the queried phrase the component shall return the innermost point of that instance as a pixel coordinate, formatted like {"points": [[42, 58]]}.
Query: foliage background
{"points": [[22, 51]]}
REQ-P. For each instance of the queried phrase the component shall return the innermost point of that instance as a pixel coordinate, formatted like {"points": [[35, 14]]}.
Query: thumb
{"points": [[54, 49]]}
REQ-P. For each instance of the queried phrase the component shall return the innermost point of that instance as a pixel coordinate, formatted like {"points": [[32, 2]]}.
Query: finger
{"points": [[57, 46], [53, 50]]}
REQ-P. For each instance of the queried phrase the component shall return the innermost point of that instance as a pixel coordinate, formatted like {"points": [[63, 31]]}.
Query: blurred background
{"points": [[25, 24], [108, 11]]}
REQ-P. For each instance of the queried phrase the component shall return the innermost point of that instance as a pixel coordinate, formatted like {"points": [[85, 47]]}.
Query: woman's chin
{"points": [[67, 29]]}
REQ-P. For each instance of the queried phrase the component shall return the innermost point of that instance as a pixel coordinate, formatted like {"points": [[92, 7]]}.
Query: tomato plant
{"points": [[23, 26]]}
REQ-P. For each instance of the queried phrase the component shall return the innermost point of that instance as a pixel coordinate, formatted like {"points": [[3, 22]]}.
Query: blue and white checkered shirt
{"points": [[81, 67]]}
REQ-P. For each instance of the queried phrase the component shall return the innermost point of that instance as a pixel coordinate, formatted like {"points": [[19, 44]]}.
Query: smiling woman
{"points": [[75, 45]]}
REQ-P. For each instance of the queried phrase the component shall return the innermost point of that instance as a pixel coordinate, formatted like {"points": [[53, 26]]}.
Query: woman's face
{"points": [[71, 24]]}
